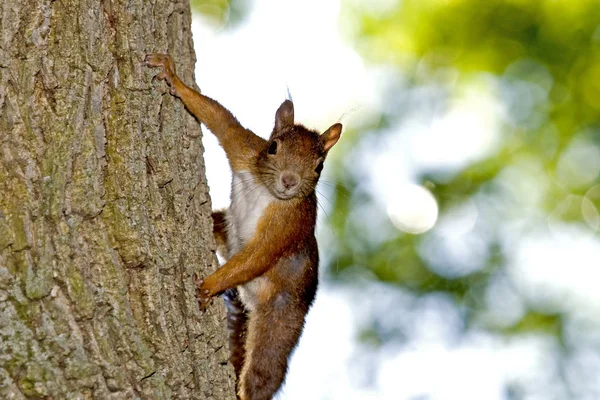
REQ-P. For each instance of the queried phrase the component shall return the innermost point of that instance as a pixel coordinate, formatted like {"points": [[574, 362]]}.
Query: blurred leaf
{"points": [[222, 12], [534, 322]]}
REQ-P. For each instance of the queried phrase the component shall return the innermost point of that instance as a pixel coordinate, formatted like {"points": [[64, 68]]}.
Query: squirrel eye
{"points": [[272, 148], [319, 168]]}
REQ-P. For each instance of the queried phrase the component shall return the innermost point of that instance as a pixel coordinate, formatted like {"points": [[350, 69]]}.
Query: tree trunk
{"points": [[104, 208]]}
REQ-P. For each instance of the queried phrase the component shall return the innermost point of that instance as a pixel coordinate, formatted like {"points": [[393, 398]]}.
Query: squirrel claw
{"points": [[202, 295], [198, 281], [167, 74], [156, 60], [159, 77], [203, 303], [203, 300]]}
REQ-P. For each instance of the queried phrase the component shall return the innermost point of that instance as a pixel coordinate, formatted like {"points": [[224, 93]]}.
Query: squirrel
{"points": [[270, 278]]}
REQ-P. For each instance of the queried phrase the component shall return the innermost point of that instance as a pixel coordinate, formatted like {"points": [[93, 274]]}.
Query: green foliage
{"points": [[222, 12], [537, 322], [542, 61]]}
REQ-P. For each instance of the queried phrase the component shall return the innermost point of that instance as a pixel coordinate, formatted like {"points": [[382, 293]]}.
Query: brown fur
{"points": [[220, 232], [282, 251]]}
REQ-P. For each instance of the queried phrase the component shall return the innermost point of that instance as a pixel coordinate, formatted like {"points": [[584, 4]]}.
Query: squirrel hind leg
{"points": [[237, 321], [220, 231], [272, 336]]}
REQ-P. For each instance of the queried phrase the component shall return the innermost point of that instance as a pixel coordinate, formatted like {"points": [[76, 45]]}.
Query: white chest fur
{"points": [[249, 199]]}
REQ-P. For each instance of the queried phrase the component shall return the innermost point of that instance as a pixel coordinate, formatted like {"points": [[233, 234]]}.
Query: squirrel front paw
{"points": [[203, 294], [167, 74]]}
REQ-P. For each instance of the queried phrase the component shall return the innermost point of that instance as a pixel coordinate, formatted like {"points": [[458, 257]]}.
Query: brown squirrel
{"points": [[270, 234]]}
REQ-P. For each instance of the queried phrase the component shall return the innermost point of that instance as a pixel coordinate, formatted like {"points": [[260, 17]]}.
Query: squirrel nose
{"points": [[290, 180]]}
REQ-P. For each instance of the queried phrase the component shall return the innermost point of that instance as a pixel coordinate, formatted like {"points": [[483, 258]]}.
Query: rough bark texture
{"points": [[104, 210]]}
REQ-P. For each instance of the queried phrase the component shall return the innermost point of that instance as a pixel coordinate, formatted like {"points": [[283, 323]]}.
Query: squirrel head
{"points": [[291, 162]]}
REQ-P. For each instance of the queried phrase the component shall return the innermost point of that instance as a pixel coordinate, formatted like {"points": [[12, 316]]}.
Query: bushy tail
{"points": [[237, 320]]}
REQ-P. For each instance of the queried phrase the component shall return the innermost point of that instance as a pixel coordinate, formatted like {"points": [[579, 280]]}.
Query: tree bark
{"points": [[104, 208]]}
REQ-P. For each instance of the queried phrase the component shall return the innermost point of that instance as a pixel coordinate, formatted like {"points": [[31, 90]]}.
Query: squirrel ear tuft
{"points": [[284, 118], [331, 136]]}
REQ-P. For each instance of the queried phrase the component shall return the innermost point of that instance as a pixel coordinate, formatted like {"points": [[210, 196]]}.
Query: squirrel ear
{"points": [[284, 118], [331, 136]]}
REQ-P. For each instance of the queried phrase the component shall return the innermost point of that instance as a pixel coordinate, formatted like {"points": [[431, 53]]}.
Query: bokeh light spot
{"points": [[414, 210], [579, 165], [588, 207]]}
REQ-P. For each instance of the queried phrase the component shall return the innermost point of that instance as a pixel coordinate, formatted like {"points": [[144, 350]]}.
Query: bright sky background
{"points": [[280, 45], [297, 44]]}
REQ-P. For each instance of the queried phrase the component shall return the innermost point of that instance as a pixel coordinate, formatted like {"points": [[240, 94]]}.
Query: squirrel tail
{"points": [[237, 319], [236, 313]]}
